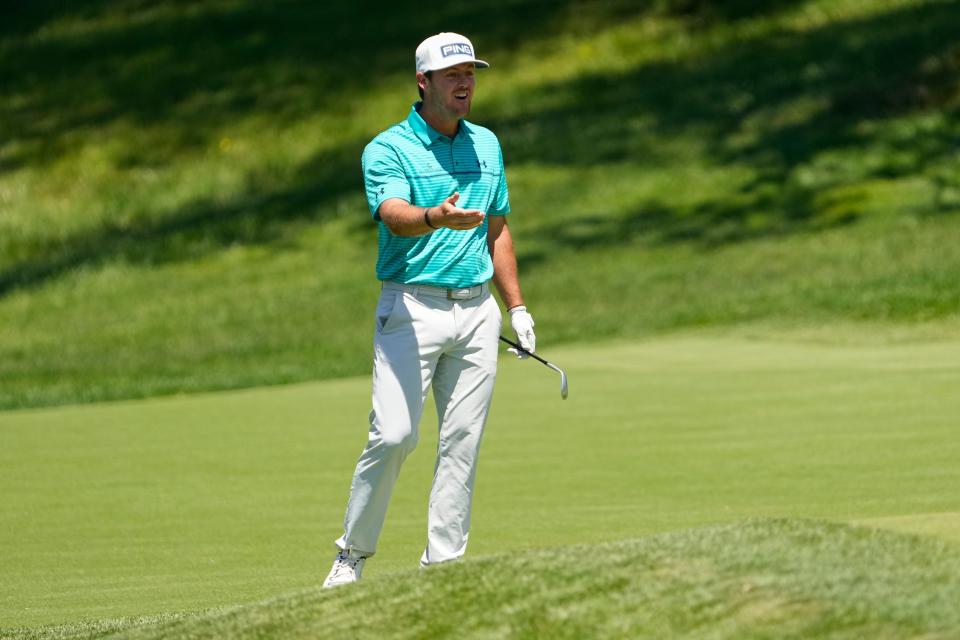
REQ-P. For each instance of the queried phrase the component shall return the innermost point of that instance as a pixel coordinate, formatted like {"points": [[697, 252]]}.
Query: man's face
{"points": [[449, 91]]}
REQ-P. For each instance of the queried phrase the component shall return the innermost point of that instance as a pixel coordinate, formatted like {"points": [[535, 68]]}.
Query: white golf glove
{"points": [[523, 326]]}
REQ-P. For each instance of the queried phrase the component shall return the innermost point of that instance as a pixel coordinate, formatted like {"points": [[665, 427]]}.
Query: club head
{"points": [[563, 379], [516, 348]]}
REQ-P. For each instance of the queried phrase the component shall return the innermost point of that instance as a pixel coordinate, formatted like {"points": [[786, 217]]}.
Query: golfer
{"points": [[436, 187]]}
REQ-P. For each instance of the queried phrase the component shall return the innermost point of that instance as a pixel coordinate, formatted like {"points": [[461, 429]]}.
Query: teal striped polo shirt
{"points": [[415, 163]]}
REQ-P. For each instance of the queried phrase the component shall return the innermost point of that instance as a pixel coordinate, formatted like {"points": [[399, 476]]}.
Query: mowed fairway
{"points": [[185, 503]]}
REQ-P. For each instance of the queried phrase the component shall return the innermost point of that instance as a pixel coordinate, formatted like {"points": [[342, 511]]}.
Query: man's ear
{"points": [[422, 79]]}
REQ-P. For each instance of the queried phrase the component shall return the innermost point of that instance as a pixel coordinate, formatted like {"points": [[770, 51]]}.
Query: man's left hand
{"points": [[523, 324]]}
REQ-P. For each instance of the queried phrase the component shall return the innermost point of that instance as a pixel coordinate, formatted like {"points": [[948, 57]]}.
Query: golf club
{"points": [[563, 376]]}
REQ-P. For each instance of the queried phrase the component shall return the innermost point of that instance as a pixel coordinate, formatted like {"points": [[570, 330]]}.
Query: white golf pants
{"points": [[425, 338]]}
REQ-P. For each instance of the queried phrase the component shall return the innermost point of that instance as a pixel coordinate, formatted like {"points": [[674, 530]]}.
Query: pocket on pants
{"points": [[386, 309]]}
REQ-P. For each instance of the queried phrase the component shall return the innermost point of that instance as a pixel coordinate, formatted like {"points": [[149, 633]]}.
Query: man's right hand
{"points": [[449, 215]]}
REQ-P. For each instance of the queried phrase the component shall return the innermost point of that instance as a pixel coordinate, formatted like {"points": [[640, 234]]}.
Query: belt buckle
{"points": [[459, 294]]}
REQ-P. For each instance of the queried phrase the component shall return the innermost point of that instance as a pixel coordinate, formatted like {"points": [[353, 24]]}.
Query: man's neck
{"points": [[440, 124]]}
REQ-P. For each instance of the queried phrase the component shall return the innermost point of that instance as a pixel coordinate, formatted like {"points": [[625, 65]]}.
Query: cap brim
{"points": [[479, 64]]}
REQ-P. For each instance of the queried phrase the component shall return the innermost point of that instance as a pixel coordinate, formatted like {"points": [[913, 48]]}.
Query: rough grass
{"points": [[182, 210], [756, 579]]}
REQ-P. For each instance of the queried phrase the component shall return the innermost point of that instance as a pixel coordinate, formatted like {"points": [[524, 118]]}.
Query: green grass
{"points": [[182, 207], [735, 224], [758, 579], [187, 503]]}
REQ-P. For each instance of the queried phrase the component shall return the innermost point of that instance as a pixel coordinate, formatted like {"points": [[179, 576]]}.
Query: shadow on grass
{"points": [[195, 67], [258, 216], [772, 103], [179, 72]]}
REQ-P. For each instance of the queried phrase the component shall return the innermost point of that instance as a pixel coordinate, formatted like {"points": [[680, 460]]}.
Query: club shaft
{"points": [[532, 355]]}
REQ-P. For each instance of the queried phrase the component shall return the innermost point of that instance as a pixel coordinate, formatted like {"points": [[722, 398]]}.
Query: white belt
{"points": [[467, 293]]}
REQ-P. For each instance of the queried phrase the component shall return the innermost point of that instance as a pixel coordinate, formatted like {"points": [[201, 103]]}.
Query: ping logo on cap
{"points": [[456, 48]]}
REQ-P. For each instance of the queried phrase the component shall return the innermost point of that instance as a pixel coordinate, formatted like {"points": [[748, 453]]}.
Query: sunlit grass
{"points": [[184, 503]]}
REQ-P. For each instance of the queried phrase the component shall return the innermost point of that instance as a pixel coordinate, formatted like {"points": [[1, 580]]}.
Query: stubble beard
{"points": [[448, 106]]}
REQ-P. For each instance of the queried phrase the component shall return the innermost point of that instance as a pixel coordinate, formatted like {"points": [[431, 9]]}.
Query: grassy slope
{"points": [[181, 203], [180, 504], [759, 579]]}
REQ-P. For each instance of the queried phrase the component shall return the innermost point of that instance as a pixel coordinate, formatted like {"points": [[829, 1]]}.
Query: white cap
{"points": [[446, 50]]}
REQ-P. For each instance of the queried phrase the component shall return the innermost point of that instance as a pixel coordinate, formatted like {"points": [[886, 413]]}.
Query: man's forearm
{"points": [[404, 219], [505, 276], [407, 220]]}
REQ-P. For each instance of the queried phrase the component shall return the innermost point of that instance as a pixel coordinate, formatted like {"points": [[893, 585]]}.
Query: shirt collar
{"points": [[427, 134]]}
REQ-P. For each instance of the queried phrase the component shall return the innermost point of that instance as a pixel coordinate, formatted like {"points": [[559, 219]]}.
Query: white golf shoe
{"points": [[346, 569]]}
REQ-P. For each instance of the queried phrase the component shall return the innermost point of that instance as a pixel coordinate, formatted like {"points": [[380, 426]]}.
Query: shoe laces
{"points": [[345, 564]]}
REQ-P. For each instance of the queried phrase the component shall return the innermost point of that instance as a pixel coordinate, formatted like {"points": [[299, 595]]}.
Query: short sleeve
{"points": [[501, 199], [383, 176]]}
